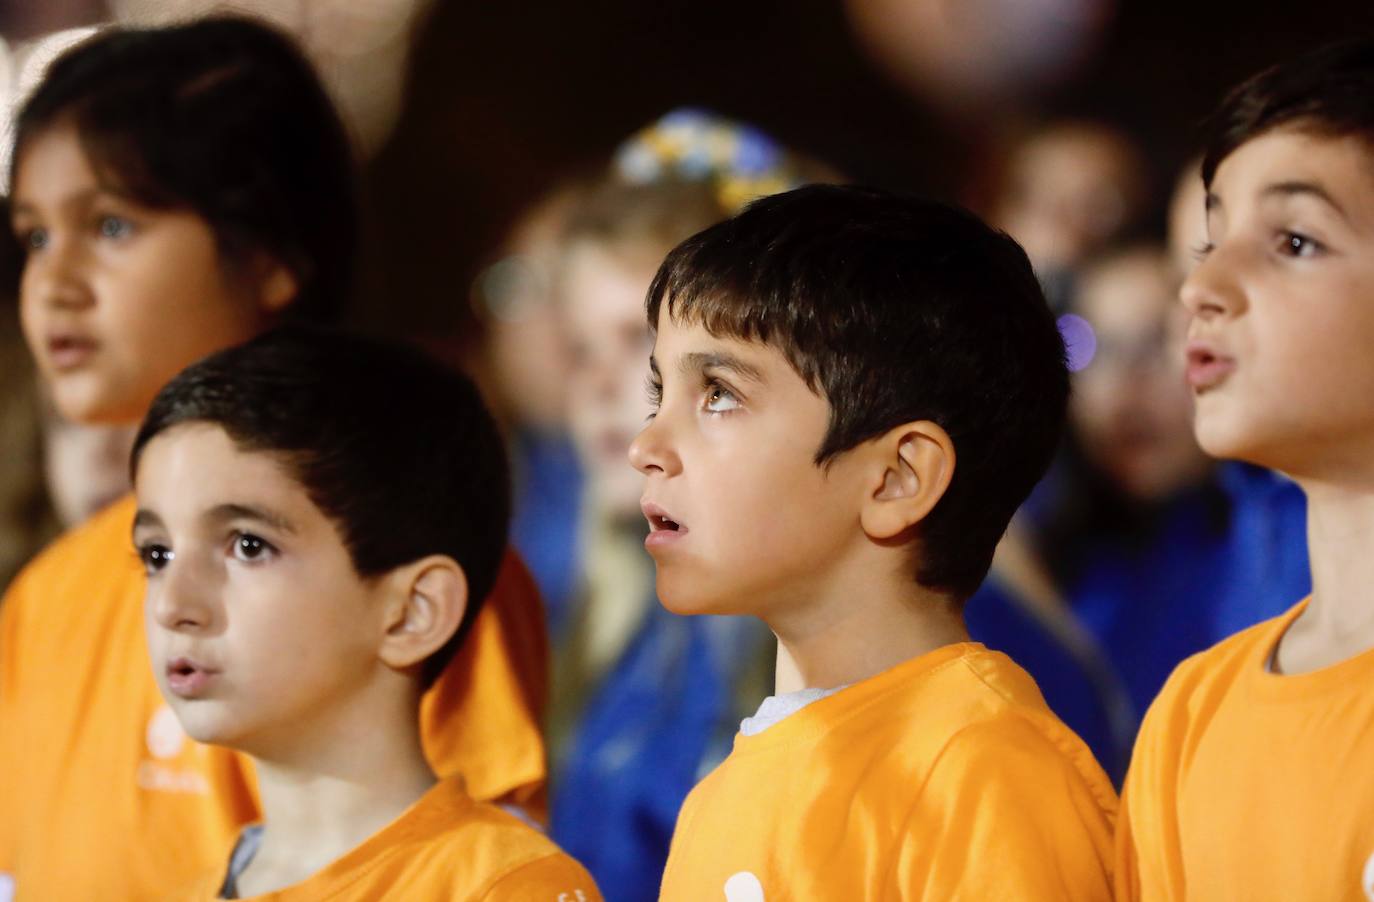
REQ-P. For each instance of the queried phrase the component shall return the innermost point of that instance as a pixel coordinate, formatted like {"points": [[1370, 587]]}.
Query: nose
{"points": [[55, 276], [179, 599], [1211, 291], [652, 450]]}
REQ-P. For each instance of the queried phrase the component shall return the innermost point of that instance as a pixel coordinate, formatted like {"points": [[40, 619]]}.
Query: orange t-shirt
{"points": [[1252, 785], [445, 846], [101, 794], [944, 778]]}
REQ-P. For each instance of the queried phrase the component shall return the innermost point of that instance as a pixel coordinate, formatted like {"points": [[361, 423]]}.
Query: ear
{"points": [[910, 468], [277, 286], [427, 600]]}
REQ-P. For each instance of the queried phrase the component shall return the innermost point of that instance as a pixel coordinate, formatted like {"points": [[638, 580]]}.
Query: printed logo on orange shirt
{"points": [[743, 887], [166, 740], [1368, 882]]}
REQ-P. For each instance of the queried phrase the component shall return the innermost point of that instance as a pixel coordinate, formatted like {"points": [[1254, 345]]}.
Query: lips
{"points": [[664, 528], [1207, 366], [70, 350], [188, 679]]}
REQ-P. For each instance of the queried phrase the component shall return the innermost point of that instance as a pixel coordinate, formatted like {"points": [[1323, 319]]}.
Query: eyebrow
{"points": [[83, 198], [222, 513], [225, 512], [145, 517], [1301, 189], [698, 361]]}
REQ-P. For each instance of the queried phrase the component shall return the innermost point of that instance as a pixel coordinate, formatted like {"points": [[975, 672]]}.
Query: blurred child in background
{"points": [[521, 360], [645, 702], [1066, 189]]}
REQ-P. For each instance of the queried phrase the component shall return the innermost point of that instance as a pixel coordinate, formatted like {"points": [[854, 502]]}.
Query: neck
{"points": [[866, 622], [1339, 621], [324, 794], [1340, 533]]}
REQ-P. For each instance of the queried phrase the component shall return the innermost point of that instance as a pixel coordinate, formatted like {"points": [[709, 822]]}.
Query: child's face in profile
{"points": [[261, 633], [1283, 306], [115, 297], [742, 518]]}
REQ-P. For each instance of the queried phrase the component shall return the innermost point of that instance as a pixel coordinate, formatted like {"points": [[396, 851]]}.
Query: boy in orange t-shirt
{"points": [[854, 392], [320, 517], [1251, 774]]}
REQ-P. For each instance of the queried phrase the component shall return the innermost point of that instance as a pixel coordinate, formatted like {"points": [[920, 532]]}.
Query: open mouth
{"points": [[659, 522], [69, 350], [186, 678], [664, 529], [1206, 368]]}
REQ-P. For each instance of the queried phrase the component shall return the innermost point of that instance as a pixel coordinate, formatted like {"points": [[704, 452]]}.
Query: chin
{"points": [[689, 597]]}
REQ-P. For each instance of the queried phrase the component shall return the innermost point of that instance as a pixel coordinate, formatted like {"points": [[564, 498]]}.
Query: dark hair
{"points": [[1329, 91], [894, 309], [394, 447], [225, 117]]}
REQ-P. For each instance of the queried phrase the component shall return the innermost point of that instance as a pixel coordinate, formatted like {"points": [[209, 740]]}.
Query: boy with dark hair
{"points": [[854, 392], [320, 517], [1250, 777]]}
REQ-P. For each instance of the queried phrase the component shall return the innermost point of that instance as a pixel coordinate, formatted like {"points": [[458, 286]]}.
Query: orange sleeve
{"points": [[554, 878], [482, 717], [1005, 815]]}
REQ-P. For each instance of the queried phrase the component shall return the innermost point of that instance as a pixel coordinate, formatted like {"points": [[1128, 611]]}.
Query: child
{"points": [[178, 191], [311, 571], [855, 391], [1148, 541], [1250, 778]]}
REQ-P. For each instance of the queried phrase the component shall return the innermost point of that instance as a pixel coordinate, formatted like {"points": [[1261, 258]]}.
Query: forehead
{"points": [[190, 461], [1343, 166], [599, 283], [676, 338], [50, 163]]}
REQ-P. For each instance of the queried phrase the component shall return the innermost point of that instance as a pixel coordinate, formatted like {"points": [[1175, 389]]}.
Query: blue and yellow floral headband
{"points": [[697, 145]]}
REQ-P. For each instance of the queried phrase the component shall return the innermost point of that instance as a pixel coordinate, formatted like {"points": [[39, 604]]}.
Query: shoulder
{"points": [[497, 855], [75, 584], [1016, 743], [1199, 684], [101, 542]]}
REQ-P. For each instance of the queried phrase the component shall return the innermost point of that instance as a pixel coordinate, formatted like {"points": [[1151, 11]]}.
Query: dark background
{"points": [[506, 98]]}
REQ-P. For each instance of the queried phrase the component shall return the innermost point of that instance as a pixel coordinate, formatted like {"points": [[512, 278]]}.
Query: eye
{"points": [[1200, 251], [34, 239], [653, 392], [1296, 244], [720, 399], [250, 548], [154, 556], [114, 227]]}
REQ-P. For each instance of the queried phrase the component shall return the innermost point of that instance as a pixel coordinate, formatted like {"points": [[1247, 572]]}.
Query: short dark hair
{"points": [[395, 448], [894, 309], [224, 117], [1328, 91]]}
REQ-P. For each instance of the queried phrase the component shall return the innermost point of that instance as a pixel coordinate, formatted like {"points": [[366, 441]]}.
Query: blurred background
{"points": [[469, 111]]}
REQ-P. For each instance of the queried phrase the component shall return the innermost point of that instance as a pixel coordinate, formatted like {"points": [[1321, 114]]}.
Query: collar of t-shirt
{"points": [[239, 859], [776, 708]]}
